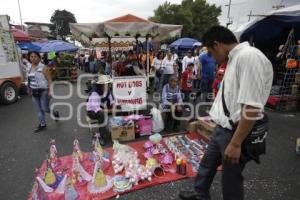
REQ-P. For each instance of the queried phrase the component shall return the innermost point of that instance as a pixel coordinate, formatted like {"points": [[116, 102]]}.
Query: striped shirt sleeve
{"points": [[252, 70]]}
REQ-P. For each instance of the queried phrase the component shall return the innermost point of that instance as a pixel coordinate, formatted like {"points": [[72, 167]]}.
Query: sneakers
{"points": [[56, 115], [40, 128]]}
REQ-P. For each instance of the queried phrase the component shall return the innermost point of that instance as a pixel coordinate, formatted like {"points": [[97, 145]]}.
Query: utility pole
{"points": [[228, 14], [20, 15], [250, 15]]}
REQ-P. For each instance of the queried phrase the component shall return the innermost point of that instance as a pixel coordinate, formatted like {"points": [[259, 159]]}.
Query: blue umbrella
{"points": [[28, 46], [183, 43], [56, 45]]}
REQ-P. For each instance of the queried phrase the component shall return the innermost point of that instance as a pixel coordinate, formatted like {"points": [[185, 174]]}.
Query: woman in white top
{"points": [[169, 68], [157, 66], [39, 82], [189, 58]]}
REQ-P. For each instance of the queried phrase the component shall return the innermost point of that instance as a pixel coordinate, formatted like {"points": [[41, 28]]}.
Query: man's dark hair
{"points": [[219, 34]]}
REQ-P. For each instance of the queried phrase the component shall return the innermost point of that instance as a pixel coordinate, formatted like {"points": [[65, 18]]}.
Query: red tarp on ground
{"points": [[89, 166]]}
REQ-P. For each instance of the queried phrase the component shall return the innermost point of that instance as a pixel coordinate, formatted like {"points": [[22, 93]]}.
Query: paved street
{"points": [[278, 177]]}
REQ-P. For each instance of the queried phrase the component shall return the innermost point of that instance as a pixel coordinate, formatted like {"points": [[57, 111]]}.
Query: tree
{"points": [[61, 20], [196, 16]]}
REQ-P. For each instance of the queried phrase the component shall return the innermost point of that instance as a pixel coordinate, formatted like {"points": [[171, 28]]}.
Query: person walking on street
{"points": [[208, 68], [237, 110], [39, 82], [187, 83]]}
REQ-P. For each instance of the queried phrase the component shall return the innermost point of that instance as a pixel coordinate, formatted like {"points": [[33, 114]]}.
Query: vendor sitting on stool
{"points": [[99, 104], [171, 98]]}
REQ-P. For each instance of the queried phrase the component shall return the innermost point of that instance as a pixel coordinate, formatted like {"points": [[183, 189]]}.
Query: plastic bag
{"points": [[157, 121]]}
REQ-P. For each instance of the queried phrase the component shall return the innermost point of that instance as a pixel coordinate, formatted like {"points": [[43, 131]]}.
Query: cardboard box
{"points": [[126, 133], [205, 126], [192, 128]]}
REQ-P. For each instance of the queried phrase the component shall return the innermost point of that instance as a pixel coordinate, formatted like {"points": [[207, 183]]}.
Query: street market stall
{"points": [[105, 173], [128, 25]]}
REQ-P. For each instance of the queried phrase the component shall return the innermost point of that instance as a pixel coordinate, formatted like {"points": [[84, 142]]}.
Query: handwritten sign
{"points": [[130, 92]]}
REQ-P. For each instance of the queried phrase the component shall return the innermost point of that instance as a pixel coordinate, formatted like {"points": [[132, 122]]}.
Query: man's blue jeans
{"points": [[42, 105], [232, 178]]}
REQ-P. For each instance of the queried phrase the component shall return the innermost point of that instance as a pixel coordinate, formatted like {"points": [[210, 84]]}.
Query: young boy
{"points": [[187, 81], [217, 82]]}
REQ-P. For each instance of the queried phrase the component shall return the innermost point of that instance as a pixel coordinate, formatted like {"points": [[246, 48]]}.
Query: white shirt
{"points": [[197, 64], [168, 66], [157, 64], [248, 81], [186, 60], [175, 57]]}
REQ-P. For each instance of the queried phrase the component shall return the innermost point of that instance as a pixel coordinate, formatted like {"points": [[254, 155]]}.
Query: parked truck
{"points": [[10, 70]]}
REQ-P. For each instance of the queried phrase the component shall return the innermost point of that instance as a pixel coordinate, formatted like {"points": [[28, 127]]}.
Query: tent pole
{"points": [[137, 47], [109, 51], [147, 58]]}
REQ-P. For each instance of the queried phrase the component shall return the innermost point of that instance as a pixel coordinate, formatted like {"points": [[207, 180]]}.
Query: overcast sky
{"points": [[101, 10]]}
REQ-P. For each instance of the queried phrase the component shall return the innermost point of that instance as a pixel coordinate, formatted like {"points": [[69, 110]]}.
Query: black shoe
{"points": [[192, 195], [40, 128], [56, 115]]}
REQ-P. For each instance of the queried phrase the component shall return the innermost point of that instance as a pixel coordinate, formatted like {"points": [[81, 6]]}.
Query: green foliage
{"points": [[66, 60], [196, 16], [61, 20]]}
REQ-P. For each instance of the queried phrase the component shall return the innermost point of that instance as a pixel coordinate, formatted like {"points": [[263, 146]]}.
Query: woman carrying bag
{"points": [[39, 82]]}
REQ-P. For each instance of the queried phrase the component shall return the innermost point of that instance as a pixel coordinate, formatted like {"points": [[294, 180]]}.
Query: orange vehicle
{"points": [[10, 72]]}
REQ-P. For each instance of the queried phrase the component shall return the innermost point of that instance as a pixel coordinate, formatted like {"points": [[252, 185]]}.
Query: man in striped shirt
{"points": [[244, 91]]}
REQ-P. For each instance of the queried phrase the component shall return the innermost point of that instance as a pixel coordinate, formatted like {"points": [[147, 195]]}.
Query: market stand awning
{"points": [[56, 45], [20, 35], [128, 25], [184, 43]]}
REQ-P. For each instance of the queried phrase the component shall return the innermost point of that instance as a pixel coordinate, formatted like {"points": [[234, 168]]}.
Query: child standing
{"points": [[187, 81], [217, 82]]}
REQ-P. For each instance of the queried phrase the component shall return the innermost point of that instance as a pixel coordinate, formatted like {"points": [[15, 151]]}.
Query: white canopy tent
{"points": [[124, 26], [84, 32]]}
